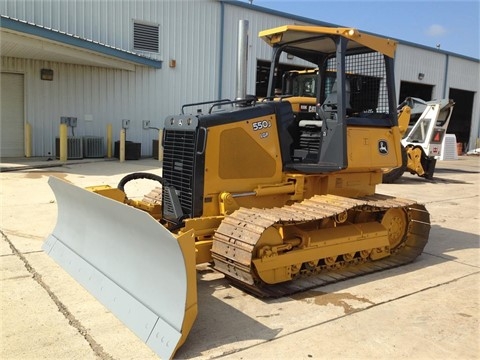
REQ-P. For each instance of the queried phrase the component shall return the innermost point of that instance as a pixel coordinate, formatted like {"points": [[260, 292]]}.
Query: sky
{"points": [[450, 24]]}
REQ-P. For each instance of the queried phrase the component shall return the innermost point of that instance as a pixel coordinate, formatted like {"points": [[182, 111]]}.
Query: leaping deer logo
{"points": [[383, 147]]}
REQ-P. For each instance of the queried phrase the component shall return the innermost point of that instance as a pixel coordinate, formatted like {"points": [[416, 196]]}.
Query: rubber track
{"points": [[235, 239]]}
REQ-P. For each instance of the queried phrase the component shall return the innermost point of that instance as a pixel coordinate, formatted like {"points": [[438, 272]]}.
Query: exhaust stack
{"points": [[242, 56]]}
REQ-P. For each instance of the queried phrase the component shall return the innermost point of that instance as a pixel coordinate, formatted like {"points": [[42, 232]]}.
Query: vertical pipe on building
{"points": [[220, 60], [28, 140], [242, 58], [63, 142], [109, 140], [447, 58], [121, 150]]}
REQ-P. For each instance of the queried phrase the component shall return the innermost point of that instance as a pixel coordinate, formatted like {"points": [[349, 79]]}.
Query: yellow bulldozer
{"points": [[275, 206]]}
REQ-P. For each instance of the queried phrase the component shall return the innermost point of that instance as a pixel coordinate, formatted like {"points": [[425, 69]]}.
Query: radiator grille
{"points": [[93, 147], [74, 148], [178, 166]]}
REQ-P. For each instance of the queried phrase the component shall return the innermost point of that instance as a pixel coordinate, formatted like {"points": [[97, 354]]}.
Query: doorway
{"points": [[12, 115], [411, 89], [461, 120]]}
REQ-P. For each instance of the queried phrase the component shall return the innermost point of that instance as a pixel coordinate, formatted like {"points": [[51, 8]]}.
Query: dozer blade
{"points": [[132, 264]]}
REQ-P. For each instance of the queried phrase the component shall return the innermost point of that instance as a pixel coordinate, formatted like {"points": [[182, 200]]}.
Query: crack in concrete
{"points": [[25, 253], [452, 199], [72, 321], [449, 259]]}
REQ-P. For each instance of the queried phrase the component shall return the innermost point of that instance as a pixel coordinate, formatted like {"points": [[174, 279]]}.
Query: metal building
{"points": [[101, 62]]}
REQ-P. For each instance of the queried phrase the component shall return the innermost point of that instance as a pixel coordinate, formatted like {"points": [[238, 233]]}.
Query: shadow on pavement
{"points": [[218, 323]]}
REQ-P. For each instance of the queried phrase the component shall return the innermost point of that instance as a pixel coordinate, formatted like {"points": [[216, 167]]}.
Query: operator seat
{"points": [[328, 110]]}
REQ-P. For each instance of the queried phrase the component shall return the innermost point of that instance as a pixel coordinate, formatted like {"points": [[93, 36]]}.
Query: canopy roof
{"points": [[301, 39]]}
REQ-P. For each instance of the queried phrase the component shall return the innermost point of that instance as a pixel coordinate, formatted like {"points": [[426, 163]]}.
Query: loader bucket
{"points": [[132, 264]]}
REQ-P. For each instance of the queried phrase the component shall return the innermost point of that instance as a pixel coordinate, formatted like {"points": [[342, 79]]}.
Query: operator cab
{"points": [[354, 86]]}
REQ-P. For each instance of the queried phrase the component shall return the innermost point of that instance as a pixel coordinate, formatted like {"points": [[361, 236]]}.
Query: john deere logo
{"points": [[383, 147]]}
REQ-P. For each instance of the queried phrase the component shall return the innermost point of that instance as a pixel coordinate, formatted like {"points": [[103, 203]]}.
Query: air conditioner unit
{"points": [[93, 147], [74, 148]]}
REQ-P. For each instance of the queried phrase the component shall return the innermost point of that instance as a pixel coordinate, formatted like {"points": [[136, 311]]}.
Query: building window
{"points": [[145, 36]]}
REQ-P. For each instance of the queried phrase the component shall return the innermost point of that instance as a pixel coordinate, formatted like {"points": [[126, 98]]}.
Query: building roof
{"points": [[323, 23], [23, 39]]}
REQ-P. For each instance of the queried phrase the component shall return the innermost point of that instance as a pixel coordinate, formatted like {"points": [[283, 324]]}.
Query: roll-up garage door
{"points": [[11, 115]]}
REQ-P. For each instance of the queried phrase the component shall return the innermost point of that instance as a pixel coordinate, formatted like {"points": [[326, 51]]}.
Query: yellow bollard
{"points": [[123, 135], [28, 140], [63, 142], [160, 147], [109, 140]]}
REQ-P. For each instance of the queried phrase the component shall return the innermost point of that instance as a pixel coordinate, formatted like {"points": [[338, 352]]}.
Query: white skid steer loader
{"points": [[423, 136]]}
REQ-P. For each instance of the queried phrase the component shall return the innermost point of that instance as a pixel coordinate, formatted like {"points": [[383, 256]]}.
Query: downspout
{"points": [[447, 58], [220, 59]]}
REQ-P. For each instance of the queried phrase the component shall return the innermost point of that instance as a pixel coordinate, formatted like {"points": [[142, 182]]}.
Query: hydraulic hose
{"points": [[139, 175]]}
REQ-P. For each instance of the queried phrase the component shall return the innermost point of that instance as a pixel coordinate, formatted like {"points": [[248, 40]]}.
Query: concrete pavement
{"points": [[426, 310]]}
